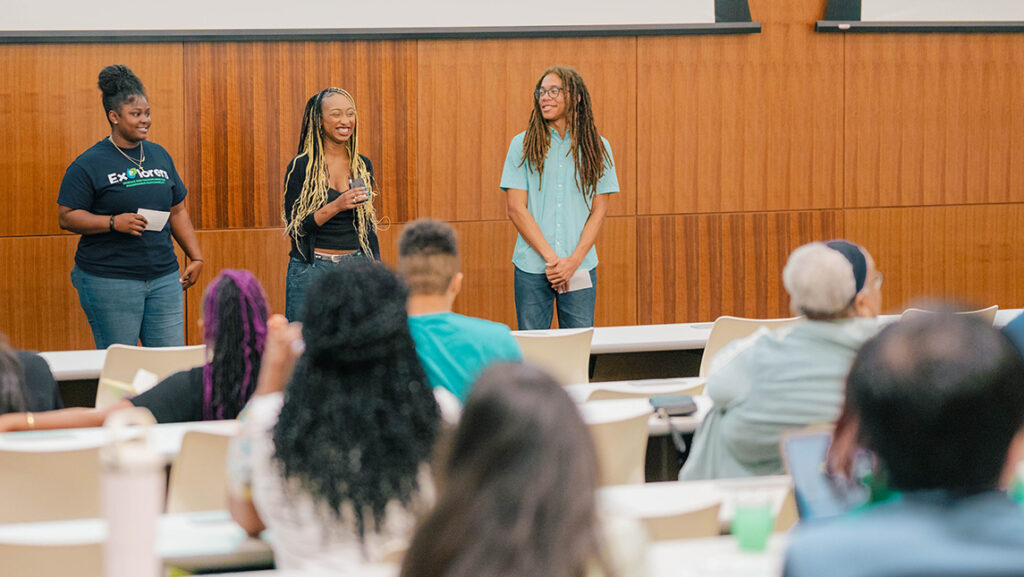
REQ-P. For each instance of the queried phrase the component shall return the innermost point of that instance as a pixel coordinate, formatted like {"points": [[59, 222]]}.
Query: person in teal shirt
{"points": [[453, 349], [557, 178]]}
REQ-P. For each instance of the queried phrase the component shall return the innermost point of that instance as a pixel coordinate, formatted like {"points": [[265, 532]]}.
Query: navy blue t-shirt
{"points": [[102, 181]]}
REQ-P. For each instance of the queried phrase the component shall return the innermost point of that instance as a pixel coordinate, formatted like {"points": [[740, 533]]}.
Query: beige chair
{"points": [[52, 560], [689, 525], [727, 329], [565, 353], [124, 361], [987, 314], [788, 514], [393, 553], [49, 485], [619, 430], [198, 479], [601, 394]]}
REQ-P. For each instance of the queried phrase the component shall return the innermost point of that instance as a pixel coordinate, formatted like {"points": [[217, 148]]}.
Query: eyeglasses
{"points": [[554, 92]]}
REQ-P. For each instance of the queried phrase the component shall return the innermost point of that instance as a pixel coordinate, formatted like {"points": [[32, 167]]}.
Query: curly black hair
{"points": [[359, 418], [119, 85]]}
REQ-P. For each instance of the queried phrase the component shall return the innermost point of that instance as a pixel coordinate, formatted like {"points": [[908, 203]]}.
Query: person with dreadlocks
{"points": [[557, 176], [125, 272], [234, 329], [328, 196], [334, 448]]}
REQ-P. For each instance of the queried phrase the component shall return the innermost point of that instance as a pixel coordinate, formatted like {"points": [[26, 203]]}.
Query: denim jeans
{"points": [[535, 298], [125, 311], [300, 276]]}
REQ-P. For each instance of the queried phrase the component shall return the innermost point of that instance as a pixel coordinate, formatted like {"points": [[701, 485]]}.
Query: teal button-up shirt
{"points": [[554, 201]]}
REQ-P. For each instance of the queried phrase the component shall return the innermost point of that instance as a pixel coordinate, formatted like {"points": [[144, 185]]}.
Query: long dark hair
{"points": [[235, 329], [12, 380], [518, 497], [588, 151], [359, 418]]}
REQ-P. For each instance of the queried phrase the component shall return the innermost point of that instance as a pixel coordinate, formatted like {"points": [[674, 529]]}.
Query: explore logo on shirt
{"points": [[136, 177]]}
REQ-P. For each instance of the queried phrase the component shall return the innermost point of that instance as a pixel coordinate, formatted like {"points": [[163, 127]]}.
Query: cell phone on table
{"points": [[357, 182]]}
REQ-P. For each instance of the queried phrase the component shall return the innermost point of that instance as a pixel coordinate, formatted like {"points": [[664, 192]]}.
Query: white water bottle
{"points": [[133, 493]]}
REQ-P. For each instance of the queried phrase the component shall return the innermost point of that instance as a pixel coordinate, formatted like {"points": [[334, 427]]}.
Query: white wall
{"points": [[58, 15], [942, 10]]}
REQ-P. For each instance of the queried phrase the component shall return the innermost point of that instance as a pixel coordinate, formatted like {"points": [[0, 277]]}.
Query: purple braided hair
{"points": [[252, 304]]}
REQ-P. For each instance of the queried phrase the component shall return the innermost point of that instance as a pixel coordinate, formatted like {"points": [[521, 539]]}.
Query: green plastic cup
{"points": [[752, 525]]}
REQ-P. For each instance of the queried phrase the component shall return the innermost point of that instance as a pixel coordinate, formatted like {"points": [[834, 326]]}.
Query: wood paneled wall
{"points": [[730, 151]]}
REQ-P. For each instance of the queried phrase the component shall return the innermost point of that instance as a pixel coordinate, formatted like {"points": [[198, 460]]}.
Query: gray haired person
{"points": [[777, 381]]}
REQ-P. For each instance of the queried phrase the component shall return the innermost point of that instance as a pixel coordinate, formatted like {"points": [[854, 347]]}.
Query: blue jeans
{"points": [[125, 311], [300, 277], [535, 298]]}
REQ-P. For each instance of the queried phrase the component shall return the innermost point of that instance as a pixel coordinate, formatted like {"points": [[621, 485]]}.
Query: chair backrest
{"points": [[198, 479], [619, 430], [49, 485], [124, 361], [565, 353], [987, 314], [52, 560], [727, 329], [603, 394], [788, 514], [687, 525]]}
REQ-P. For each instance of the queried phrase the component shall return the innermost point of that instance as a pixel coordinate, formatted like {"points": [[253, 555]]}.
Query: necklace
{"points": [[142, 153]]}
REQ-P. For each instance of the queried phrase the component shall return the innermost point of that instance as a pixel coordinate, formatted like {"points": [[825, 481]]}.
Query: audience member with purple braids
{"points": [[234, 327]]}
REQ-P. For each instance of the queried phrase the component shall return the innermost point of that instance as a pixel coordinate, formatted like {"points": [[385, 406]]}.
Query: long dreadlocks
{"points": [[317, 180], [588, 151]]}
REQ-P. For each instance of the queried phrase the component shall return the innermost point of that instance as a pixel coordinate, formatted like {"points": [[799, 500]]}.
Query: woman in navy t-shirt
{"points": [[126, 272]]}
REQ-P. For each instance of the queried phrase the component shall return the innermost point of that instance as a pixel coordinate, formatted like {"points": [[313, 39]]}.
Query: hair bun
{"points": [[118, 78]]}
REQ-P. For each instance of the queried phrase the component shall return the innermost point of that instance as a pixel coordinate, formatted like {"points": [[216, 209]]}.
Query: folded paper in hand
{"points": [[155, 219], [580, 280]]}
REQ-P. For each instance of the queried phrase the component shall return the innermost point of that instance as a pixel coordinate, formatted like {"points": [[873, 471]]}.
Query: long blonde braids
{"points": [[317, 180], [588, 151]]}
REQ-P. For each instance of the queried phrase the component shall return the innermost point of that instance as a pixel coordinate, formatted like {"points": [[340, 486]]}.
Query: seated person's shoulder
{"points": [[42, 389]]}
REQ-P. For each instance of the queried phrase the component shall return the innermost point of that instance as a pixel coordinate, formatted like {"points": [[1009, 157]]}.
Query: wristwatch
{"points": [[111, 223]]}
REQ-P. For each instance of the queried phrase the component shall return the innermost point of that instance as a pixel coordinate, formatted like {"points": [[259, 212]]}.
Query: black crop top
{"points": [[338, 233]]}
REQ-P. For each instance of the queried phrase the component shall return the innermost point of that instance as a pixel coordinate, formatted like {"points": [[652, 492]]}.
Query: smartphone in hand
{"points": [[358, 183]]}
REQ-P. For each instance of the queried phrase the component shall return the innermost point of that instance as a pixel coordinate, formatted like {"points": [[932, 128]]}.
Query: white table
{"points": [[688, 336], [658, 426], [192, 541], [81, 365], [656, 499], [75, 365], [165, 439], [715, 556]]}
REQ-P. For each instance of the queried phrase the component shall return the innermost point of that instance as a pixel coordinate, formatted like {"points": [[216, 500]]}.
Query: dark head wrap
{"points": [[855, 255]]}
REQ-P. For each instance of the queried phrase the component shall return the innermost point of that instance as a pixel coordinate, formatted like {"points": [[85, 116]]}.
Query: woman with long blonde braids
{"points": [[328, 196], [557, 178]]}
